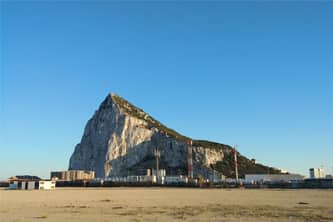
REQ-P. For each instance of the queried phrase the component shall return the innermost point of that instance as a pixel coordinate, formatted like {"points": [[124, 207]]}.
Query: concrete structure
{"points": [[316, 173], [272, 178], [72, 175], [131, 179], [176, 180], [46, 185], [32, 185], [23, 182], [27, 185]]}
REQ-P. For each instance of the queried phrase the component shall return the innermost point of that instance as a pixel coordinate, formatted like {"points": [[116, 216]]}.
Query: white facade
{"points": [[27, 185], [46, 185], [30, 185], [316, 173], [272, 178], [23, 185], [130, 179]]}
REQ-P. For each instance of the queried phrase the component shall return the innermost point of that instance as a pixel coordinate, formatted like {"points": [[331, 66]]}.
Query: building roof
{"points": [[24, 177]]}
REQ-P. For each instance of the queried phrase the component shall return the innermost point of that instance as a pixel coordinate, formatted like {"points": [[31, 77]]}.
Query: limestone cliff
{"points": [[120, 138]]}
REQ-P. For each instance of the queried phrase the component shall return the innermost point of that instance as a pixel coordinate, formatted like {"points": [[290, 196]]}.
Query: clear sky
{"points": [[256, 74]]}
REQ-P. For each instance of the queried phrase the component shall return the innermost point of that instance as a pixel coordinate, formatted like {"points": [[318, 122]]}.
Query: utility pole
{"points": [[189, 160], [157, 155], [236, 163]]}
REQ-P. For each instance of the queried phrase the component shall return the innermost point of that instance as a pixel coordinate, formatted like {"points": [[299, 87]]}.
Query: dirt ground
{"points": [[166, 204]]}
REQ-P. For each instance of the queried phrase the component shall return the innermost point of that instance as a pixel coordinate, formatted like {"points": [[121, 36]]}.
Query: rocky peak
{"points": [[120, 138]]}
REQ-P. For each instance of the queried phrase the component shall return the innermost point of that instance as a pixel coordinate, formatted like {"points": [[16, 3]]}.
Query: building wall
{"points": [[46, 185], [71, 175], [273, 178], [316, 173], [30, 185], [22, 187]]}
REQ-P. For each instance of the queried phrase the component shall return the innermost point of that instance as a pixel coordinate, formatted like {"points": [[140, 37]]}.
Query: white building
{"points": [[46, 185], [272, 178], [316, 173], [31, 185]]}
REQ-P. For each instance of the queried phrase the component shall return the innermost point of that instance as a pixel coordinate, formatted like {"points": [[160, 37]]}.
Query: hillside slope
{"points": [[120, 138]]}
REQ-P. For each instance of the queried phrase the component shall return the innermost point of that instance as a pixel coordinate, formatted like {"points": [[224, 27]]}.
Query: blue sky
{"points": [[256, 74]]}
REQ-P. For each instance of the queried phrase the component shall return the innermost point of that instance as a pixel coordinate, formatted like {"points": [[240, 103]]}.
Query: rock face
{"points": [[120, 139]]}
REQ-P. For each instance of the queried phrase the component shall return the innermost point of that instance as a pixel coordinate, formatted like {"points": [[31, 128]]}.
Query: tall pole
{"points": [[236, 163], [189, 160], [157, 155]]}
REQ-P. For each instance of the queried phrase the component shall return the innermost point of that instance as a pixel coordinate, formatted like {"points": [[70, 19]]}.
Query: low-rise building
{"points": [[272, 178], [175, 180], [23, 182], [32, 185], [72, 175], [316, 173], [46, 185]]}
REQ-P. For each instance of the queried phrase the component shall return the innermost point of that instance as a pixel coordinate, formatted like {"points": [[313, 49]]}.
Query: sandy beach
{"points": [[166, 204]]}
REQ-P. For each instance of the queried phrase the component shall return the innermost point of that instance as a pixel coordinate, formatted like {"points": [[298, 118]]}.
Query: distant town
{"points": [[81, 178]]}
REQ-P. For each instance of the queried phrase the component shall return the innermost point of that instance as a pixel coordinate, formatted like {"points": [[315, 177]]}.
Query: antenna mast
{"points": [[157, 155], [236, 163], [189, 160]]}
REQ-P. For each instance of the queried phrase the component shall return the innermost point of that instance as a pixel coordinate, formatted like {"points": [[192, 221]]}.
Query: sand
{"points": [[166, 204]]}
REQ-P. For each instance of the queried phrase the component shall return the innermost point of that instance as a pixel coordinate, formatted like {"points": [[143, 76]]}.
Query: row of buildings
{"points": [[72, 175], [160, 177], [27, 182]]}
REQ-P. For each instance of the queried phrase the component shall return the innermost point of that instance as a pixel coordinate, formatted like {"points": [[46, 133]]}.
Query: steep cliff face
{"points": [[120, 138]]}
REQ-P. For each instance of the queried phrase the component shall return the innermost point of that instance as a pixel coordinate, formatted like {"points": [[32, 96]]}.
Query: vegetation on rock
{"points": [[226, 167]]}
